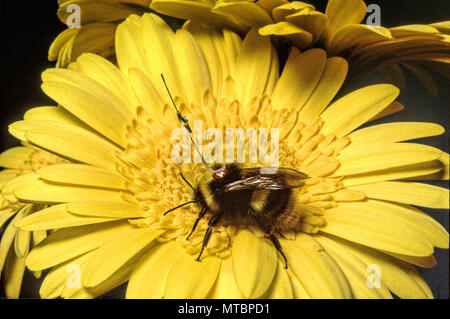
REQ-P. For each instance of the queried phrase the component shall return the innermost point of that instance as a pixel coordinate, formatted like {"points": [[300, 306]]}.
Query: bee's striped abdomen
{"points": [[269, 204]]}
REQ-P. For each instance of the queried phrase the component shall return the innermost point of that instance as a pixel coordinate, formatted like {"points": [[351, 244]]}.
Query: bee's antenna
{"points": [[184, 121]]}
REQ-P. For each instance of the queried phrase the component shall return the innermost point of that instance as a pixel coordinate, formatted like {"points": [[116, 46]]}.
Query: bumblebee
{"points": [[260, 196]]}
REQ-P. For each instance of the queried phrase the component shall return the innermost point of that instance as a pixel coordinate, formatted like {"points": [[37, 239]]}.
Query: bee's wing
{"points": [[269, 178]]}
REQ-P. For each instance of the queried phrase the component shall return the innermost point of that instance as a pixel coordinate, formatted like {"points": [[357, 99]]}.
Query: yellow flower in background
{"points": [[418, 48], [98, 23], [339, 30], [15, 244], [108, 209]]}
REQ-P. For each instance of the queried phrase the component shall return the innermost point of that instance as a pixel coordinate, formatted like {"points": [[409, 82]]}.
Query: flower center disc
{"points": [[156, 185]]}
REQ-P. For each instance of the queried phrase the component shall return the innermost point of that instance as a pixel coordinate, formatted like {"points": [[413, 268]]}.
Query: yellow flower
{"points": [[15, 244], [354, 210], [339, 30], [98, 22]]}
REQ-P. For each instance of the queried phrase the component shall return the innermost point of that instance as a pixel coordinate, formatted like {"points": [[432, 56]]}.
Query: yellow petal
{"points": [[443, 26], [210, 43], [225, 286], [297, 287], [444, 160], [417, 277], [198, 284], [254, 264], [424, 262], [314, 268], [412, 29], [15, 157], [62, 275], [246, 14], [298, 36], [95, 38], [38, 236], [352, 35], [274, 73], [394, 107], [148, 280], [109, 209], [269, 5], [119, 277], [343, 12], [9, 234], [409, 46], [366, 158], [395, 132], [407, 215], [312, 21], [109, 257], [355, 270], [287, 93], [66, 244], [373, 229], [69, 141], [17, 129], [356, 108], [428, 170], [9, 188], [65, 54], [6, 175], [89, 101], [108, 75], [281, 12], [281, 287], [191, 63], [418, 194], [220, 50], [232, 47], [59, 42], [56, 217], [22, 243], [253, 66], [53, 113], [94, 11], [85, 175], [5, 215], [147, 94], [154, 42], [194, 10], [129, 51], [44, 192], [329, 84], [13, 275], [399, 277]]}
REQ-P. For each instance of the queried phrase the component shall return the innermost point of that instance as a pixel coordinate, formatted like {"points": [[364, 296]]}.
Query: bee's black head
{"points": [[225, 174]]}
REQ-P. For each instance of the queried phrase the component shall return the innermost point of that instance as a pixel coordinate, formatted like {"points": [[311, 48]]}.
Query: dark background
{"points": [[28, 28]]}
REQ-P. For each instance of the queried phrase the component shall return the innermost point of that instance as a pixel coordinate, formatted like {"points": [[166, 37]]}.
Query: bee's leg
{"points": [[212, 222], [269, 235], [277, 245], [200, 216]]}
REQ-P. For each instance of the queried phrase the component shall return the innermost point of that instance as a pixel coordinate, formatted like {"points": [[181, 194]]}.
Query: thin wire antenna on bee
{"points": [[184, 121]]}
